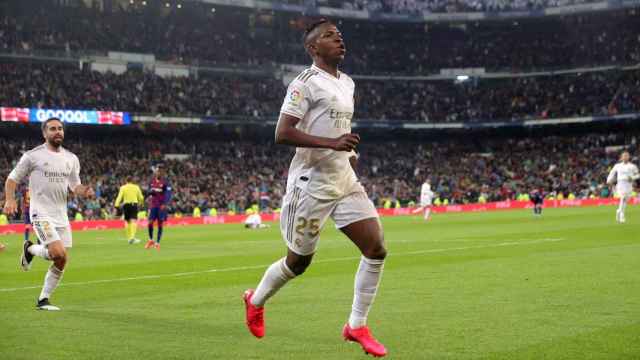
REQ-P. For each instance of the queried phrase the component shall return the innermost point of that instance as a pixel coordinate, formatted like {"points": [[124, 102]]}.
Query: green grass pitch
{"points": [[501, 285]]}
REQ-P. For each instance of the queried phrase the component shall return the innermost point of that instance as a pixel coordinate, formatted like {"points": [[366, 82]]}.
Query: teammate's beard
{"points": [[54, 143]]}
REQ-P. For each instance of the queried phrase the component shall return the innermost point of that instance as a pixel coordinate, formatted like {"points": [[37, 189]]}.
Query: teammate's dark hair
{"points": [[312, 27], [44, 123]]}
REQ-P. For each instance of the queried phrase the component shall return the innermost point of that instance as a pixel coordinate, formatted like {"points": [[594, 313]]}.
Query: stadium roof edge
{"points": [[606, 5]]}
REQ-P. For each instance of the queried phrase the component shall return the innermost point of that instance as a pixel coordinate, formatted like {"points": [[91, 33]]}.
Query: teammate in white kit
{"points": [[254, 221], [426, 198], [316, 118], [52, 171], [623, 174]]}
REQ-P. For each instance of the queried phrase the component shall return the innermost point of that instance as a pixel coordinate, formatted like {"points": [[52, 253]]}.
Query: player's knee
{"points": [[298, 266], [378, 252], [61, 262], [58, 257]]}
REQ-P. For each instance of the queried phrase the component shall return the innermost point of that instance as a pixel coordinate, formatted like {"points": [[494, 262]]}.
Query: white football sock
{"points": [[366, 286], [274, 278], [39, 250], [51, 281], [623, 205], [427, 211]]}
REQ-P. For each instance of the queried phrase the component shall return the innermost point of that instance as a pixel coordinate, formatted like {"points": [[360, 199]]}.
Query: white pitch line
{"points": [[254, 267]]}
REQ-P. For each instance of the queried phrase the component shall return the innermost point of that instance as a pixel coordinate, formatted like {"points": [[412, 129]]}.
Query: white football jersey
{"points": [[624, 173], [253, 219], [324, 104], [426, 195], [51, 175]]}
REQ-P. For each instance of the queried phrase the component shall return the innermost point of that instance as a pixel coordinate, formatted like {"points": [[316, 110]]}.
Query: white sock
{"points": [[366, 286], [623, 206], [427, 211], [39, 250], [274, 278], [51, 281]]}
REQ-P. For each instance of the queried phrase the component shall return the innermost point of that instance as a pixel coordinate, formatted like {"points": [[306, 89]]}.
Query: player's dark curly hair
{"points": [[312, 26], [44, 124]]}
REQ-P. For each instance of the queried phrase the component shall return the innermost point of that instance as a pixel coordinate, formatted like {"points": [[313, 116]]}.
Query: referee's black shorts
{"points": [[130, 211]]}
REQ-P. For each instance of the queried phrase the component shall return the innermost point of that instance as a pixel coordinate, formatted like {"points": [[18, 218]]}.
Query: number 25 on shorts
{"points": [[312, 224]]}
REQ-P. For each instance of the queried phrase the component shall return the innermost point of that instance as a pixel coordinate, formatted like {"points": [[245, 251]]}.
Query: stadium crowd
{"points": [[242, 37], [234, 175], [64, 86]]}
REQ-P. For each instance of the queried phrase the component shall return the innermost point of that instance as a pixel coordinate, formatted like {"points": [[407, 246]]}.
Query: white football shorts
{"points": [[624, 189], [47, 233], [303, 217]]}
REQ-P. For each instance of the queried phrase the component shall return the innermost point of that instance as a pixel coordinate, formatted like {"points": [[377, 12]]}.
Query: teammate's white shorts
{"points": [[47, 233], [624, 189], [303, 217]]}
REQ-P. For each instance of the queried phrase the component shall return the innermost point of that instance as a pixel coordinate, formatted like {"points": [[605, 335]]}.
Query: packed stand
{"points": [[68, 87], [233, 36], [231, 176], [64, 86], [494, 169]]}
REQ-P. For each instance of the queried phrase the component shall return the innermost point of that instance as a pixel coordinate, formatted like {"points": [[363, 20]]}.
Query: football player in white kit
{"points": [[254, 220], [52, 172], [426, 198], [316, 119], [623, 174]]}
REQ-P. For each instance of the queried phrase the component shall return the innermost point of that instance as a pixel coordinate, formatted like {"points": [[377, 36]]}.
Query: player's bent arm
{"points": [[612, 175], [10, 205], [287, 134]]}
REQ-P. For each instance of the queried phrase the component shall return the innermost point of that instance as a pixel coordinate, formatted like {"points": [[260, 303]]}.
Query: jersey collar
{"points": [[315, 67]]}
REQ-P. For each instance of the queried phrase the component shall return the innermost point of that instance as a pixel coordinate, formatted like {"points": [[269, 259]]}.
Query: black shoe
{"points": [[26, 258], [44, 304]]}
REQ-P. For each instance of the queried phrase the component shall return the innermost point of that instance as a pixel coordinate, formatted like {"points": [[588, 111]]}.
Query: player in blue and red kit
{"points": [[160, 194], [537, 198]]}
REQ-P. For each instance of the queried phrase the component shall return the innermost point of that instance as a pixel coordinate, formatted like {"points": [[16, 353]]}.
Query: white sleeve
{"points": [[24, 168], [298, 99], [612, 174], [634, 173], [74, 177]]}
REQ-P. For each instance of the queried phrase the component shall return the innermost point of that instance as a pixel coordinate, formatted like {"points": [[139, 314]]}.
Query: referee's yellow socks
{"points": [[130, 230], [133, 228]]}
